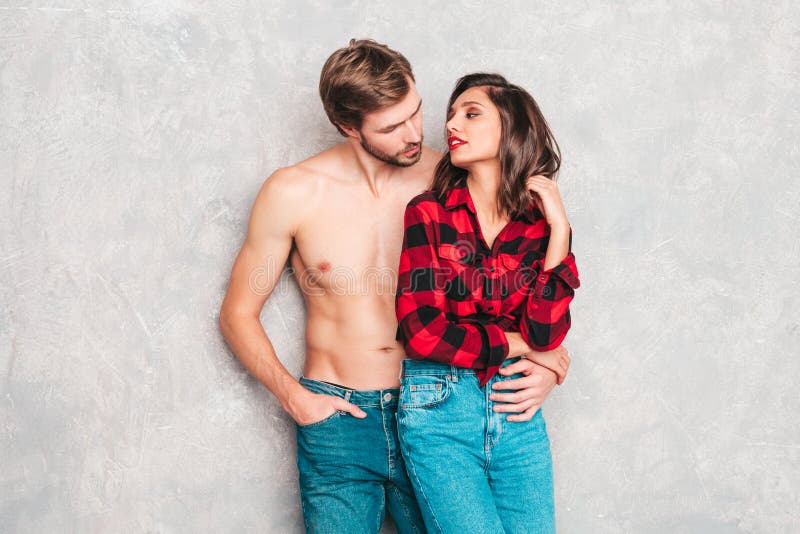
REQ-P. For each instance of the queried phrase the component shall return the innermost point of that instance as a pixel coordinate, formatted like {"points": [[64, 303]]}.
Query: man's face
{"points": [[394, 134]]}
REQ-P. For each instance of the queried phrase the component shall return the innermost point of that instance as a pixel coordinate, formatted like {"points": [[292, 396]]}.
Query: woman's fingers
{"points": [[537, 180], [549, 199]]}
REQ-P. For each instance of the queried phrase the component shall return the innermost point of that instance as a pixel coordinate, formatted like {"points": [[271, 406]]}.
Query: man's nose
{"points": [[413, 133]]}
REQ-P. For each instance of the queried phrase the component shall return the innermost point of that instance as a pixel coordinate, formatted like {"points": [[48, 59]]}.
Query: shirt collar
{"points": [[459, 196]]}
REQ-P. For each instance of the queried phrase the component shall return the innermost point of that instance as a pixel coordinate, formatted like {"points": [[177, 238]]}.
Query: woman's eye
{"points": [[470, 115]]}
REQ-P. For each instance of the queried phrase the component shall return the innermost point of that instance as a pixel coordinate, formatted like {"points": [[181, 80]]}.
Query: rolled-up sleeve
{"points": [[546, 318]]}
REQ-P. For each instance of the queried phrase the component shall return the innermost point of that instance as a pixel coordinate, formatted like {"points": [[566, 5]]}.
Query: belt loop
{"points": [[454, 372]]}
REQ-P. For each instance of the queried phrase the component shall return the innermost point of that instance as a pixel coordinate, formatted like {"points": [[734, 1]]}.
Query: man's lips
{"points": [[454, 142], [412, 151]]}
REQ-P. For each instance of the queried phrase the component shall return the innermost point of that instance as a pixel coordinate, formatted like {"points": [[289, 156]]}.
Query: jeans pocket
{"points": [[321, 422], [423, 391]]}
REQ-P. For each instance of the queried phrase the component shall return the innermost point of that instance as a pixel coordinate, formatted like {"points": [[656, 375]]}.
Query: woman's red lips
{"points": [[454, 142]]}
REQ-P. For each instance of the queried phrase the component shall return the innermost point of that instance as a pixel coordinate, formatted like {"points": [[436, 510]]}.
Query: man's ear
{"points": [[349, 131]]}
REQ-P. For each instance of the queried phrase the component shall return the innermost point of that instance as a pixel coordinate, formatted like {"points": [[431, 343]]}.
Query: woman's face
{"points": [[473, 129]]}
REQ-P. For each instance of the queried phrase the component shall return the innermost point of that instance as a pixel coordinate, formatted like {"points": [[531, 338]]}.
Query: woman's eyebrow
{"points": [[467, 103]]}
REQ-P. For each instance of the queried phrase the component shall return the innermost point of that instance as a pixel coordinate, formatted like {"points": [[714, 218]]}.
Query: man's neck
{"points": [[374, 172]]}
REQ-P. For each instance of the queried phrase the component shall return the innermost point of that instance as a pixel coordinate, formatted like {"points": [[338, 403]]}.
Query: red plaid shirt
{"points": [[456, 298]]}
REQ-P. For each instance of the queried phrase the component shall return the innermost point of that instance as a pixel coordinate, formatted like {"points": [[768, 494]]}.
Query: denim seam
{"points": [[487, 448], [402, 501], [381, 512], [412, 472], [390, 467]]}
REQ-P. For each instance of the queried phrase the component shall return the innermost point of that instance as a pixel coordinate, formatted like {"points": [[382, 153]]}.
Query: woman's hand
{"points": [[557, 360], [548, 199], [516, 345]]}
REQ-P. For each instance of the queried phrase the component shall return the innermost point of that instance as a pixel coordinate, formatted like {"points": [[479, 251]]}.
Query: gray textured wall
{"points": [[134, 136]]}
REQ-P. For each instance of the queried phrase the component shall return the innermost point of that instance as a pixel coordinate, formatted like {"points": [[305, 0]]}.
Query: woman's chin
{"points": [[461, 163]]}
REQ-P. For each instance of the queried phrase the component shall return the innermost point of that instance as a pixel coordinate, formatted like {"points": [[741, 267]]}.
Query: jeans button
{"points": [[387, 397]]}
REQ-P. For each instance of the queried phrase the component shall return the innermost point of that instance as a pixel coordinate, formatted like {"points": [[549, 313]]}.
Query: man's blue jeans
{"points": [[351, 469], [472, 470]]}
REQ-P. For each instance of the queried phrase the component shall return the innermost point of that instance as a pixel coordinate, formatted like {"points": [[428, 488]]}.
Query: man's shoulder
{"points": [[289, 180], [303, 178], [286, 194]]}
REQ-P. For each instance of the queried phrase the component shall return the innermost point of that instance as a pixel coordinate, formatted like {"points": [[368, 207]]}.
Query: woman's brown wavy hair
{"points": [[527, 146]]}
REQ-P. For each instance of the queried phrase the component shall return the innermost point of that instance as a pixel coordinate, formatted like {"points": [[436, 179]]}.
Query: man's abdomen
{"points": [[353, 344]]}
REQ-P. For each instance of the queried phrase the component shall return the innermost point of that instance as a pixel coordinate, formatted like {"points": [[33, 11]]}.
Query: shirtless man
{"points": [[338, 218]]}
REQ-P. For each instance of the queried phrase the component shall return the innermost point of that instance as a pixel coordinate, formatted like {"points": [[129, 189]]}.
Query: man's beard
{"points": [[398, 159]]}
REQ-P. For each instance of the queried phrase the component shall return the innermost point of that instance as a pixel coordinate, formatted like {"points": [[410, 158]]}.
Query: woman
{"points": [[486, 277]]}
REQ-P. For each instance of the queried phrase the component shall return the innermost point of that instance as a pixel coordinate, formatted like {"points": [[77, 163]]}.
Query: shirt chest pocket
{"points": [[517, 269], [511, 262], [453, 259], [462, 280]]}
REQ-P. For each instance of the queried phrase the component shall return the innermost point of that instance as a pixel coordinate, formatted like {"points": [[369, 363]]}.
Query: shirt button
{"points": [[490, 308], [542, 278], [387, 397]]}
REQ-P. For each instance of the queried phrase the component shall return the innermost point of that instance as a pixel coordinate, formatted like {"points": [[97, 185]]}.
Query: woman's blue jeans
{"points": [[472, 470]]}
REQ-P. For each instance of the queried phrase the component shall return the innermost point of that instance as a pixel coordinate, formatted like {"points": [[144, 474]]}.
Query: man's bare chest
{"points": [[348, 248]]}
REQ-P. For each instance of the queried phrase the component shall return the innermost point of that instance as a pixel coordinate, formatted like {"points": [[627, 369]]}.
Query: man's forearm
{"points": [[251, 345]]}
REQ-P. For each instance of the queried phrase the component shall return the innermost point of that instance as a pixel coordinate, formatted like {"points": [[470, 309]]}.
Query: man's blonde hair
{"points": [[361, 78]]}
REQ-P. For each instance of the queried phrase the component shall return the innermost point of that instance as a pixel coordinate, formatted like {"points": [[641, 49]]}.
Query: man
{"points": [[338, 218]]}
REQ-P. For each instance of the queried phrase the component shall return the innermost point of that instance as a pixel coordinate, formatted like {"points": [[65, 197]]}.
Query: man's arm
{"points": [[274, 219]]}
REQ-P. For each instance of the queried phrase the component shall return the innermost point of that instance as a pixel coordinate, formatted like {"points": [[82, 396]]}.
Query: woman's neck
{"points": [[483, 182]]}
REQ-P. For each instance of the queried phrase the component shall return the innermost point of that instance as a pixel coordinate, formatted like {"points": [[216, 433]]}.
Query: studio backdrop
{"points": [[134, 137]]}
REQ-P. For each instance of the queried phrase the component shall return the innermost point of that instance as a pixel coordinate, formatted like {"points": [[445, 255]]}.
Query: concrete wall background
{"points": [[134, 136]]}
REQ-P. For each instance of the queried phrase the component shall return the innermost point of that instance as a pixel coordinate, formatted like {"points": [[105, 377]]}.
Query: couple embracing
{"points": [[437, 290]]}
